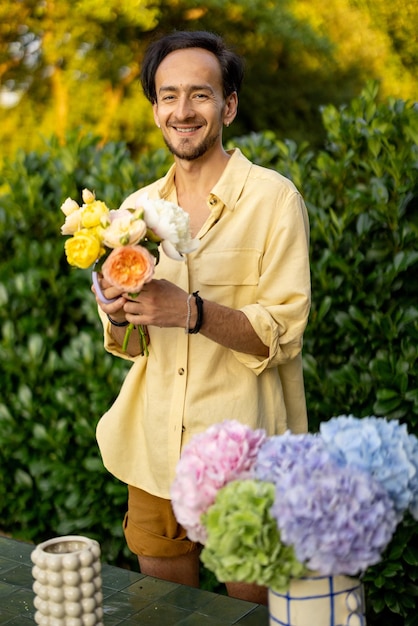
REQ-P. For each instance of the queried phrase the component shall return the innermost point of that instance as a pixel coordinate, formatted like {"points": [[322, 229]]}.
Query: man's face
{"points": [[190, 107]]}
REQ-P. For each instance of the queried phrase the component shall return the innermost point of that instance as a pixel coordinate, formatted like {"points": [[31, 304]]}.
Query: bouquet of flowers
{"points": [[268, 509], [124, 244]]}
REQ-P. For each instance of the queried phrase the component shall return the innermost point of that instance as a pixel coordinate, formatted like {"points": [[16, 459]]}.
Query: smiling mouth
{"points": [[185, 131]]}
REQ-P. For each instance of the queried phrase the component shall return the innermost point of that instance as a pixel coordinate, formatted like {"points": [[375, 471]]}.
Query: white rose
{"points": [[171, 224]]}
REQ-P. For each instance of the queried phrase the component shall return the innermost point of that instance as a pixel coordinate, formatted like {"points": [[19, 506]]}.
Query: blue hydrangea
{"points": [[413, 483], [280, 453], [380, 447], [338, 521]]}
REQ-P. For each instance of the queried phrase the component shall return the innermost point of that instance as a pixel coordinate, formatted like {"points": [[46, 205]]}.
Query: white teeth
{"points": [[186, 130]]}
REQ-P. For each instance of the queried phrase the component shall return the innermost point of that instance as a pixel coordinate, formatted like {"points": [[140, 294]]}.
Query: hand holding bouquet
{"points": [[124, 244]]}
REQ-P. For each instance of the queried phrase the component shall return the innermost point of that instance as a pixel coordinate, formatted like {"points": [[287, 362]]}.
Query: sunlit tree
{"points": [[70, 65]]}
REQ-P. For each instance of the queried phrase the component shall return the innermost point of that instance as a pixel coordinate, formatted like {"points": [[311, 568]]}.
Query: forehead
{"points": [[191, 65]]}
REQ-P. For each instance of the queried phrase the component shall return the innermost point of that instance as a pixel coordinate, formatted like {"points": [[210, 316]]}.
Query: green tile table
{"points": [[129, 598]]}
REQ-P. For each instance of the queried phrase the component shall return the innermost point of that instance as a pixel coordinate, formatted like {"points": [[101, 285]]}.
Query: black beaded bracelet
{"points": [[199, 321], [115, 323]]}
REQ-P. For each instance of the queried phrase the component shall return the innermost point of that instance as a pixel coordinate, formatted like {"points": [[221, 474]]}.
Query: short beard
{"points": [[194, 153]]}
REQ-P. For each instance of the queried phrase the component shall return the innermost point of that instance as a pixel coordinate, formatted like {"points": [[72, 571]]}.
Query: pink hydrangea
{"points": [[225, 452]]}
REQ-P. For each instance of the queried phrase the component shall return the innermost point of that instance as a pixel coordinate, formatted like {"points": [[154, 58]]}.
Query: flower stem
{"points": [[126, 337], [143, 339]]}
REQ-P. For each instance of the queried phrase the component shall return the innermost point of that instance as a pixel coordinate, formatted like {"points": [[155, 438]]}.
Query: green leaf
{"points": [[410, 555]]}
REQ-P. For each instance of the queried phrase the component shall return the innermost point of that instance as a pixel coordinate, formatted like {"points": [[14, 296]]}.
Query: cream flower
{"points": [[72, 222], [125, 228], [88, 196], [69, 206]]}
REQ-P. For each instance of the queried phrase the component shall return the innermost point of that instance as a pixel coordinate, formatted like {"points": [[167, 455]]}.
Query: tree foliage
{"points": [[67, 65]]}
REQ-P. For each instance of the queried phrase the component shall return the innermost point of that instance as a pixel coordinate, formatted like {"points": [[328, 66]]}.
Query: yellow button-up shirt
{"points": [[253, 256]]}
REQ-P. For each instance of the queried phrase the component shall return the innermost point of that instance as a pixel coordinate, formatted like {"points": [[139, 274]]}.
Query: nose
{"points": [[184, 108]]}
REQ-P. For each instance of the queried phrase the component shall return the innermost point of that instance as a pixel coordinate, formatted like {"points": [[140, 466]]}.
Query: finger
{"points": [[133, 307]]}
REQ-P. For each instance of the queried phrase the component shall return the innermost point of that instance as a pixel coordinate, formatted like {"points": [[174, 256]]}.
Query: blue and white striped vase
{"points": [[319, 600]]}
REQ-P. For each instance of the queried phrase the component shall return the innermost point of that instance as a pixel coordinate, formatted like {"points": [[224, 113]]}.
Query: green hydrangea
{"points": [[243, 543]]}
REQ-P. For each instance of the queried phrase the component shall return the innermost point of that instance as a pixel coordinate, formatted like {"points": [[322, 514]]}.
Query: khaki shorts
{"points": [[151, 528]]}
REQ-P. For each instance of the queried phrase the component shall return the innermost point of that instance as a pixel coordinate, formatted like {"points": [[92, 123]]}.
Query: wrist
{"points": [[118, 323], [194, 323]]}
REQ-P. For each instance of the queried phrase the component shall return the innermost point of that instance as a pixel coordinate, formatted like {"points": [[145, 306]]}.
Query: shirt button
{"points": [[213, 201], [183, 428], [181, 371]]}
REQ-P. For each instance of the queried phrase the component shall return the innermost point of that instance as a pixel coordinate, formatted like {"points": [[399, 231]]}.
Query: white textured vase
{"points": [[319, 601], [67, 582]]}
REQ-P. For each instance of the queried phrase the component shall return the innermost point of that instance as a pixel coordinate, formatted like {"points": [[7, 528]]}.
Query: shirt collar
{"points": [[228, 188]]}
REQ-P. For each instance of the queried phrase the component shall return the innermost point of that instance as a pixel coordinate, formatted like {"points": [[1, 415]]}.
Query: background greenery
{"points": [[360, 352], [75, 63]]}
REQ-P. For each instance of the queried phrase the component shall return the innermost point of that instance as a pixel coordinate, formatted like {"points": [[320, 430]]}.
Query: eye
{"points": [[200, 96], [167, 98]]}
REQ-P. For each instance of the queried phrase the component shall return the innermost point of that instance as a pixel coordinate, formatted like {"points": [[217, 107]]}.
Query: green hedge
{"points": [[360, 351]]}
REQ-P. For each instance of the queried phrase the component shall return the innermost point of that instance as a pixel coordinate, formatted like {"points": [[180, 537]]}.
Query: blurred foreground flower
{"points": [[212, 459], [285, 506]]}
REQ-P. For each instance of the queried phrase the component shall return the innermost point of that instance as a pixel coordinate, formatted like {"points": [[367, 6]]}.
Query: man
{"points": [[242, 359]]}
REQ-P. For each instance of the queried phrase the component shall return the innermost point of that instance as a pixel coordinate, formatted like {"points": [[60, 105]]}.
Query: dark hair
{"points": [[232, 66]]}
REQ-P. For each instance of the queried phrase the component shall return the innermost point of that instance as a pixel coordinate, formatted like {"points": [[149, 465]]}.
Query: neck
{"points": [[201, 174]]}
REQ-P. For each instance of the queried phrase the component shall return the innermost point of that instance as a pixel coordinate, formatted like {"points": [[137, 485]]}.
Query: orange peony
{"points": [[128, 268]]}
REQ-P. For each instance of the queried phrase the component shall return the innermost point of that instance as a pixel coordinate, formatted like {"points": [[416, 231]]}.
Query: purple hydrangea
{"points": [[338, 521], [381, 447], [281, 453]]}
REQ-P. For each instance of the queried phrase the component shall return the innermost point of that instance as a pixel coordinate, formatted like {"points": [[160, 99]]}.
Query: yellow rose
{"points": [[83, 249], [93, 213]]}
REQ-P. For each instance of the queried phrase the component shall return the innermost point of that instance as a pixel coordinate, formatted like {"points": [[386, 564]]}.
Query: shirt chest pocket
{"points": [[230, 267]]}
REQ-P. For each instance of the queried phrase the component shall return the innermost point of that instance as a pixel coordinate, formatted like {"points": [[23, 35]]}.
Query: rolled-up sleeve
{"points": [[280, 314]]}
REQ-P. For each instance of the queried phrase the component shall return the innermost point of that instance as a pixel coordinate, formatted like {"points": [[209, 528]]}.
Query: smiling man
{"points": [[233, 349], [191, 114]]}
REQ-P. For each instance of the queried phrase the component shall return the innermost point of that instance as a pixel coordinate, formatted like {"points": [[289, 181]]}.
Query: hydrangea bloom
{"points": [[243, 543], [338, 521], [413, 483], [225, 452], [380, 447], [281, 453]]}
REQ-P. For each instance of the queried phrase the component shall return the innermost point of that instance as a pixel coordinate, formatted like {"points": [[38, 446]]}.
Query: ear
{"points": [[155, 112], [231, 108]]}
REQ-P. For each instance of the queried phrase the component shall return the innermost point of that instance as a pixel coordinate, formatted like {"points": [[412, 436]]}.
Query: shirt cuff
{"points": [[110, 344], [282, 347]]}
